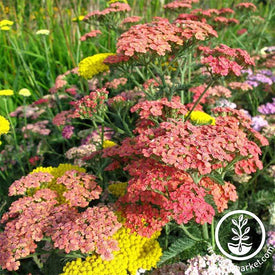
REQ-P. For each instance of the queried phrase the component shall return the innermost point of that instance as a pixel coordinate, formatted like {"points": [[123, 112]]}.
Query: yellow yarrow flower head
{"points": [[79, 18], [135, 252], [24, 92], [6, 22], [6, 92], [93, 65], [108, 144], [118, 189], [201, 118], [5, 28], [4, 125], [115, 1]]}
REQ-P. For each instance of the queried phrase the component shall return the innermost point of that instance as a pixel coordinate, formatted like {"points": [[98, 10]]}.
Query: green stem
{"points": [[198, 100], [213, 233], [11, 123], [37, 261], [189, 234], [205, 231]]}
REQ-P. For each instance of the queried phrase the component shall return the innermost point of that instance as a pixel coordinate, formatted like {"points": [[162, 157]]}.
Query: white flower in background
{"points": [[43, 32], [24, 92], [226, 103]]}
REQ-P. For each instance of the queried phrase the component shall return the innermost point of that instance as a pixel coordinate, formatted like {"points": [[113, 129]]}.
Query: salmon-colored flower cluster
{"points": [[113, 8], [211, 95], [62, 118], [115, 83], [211, 16], [39, 127], [131, 19], [41, 213], [221, 193], [70, 230], [195, 29], [157, 193], [90, 34], [81, 188], [90, 104], [177, 5], [157, 37], [166, 161], [35, 180], [246, 6], [240, 86], [223, 60]]}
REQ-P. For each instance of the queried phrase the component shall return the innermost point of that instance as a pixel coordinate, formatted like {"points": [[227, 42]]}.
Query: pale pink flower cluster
{"points": [[19, 187], [177, 5], [61, 118], [113, 8], [240, 86], [211, 95], [28, 220], [81, 188], [86, 231], [80, 151], [32, 218], [115, 83], [96, 135], [61, 82], [36, 128], [90, 34], [131, 19], [27, 111]]}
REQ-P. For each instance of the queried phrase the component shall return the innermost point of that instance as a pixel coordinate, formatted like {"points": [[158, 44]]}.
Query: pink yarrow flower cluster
{"points": [[165, 158], [158, 193], [62, 118], [211, 95], [36, 128], [70, 230], [115, 83], [90, 34], [157, 37], [39, 215], [131, 19], [81, 188], [19, 187], [113, 8], [223, 60], [90, 104], [246, 6], [178, 5]]}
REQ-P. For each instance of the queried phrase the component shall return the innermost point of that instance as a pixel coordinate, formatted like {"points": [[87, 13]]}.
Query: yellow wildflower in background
{"points": [[108, 144], [135, 252], [24, 92], [5, 28], [93, 65], [201, 118], [4, 125], [115, 1], [43, 32], [118, 189], [6, 92], [79, 18], [6, 22]]}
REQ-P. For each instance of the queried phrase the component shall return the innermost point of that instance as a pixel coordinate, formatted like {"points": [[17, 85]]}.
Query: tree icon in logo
{"points": [[240, 248]]}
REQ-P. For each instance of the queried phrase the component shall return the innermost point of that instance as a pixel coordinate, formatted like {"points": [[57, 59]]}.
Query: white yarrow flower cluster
{"points": [[211, 265], [43, 32]]}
